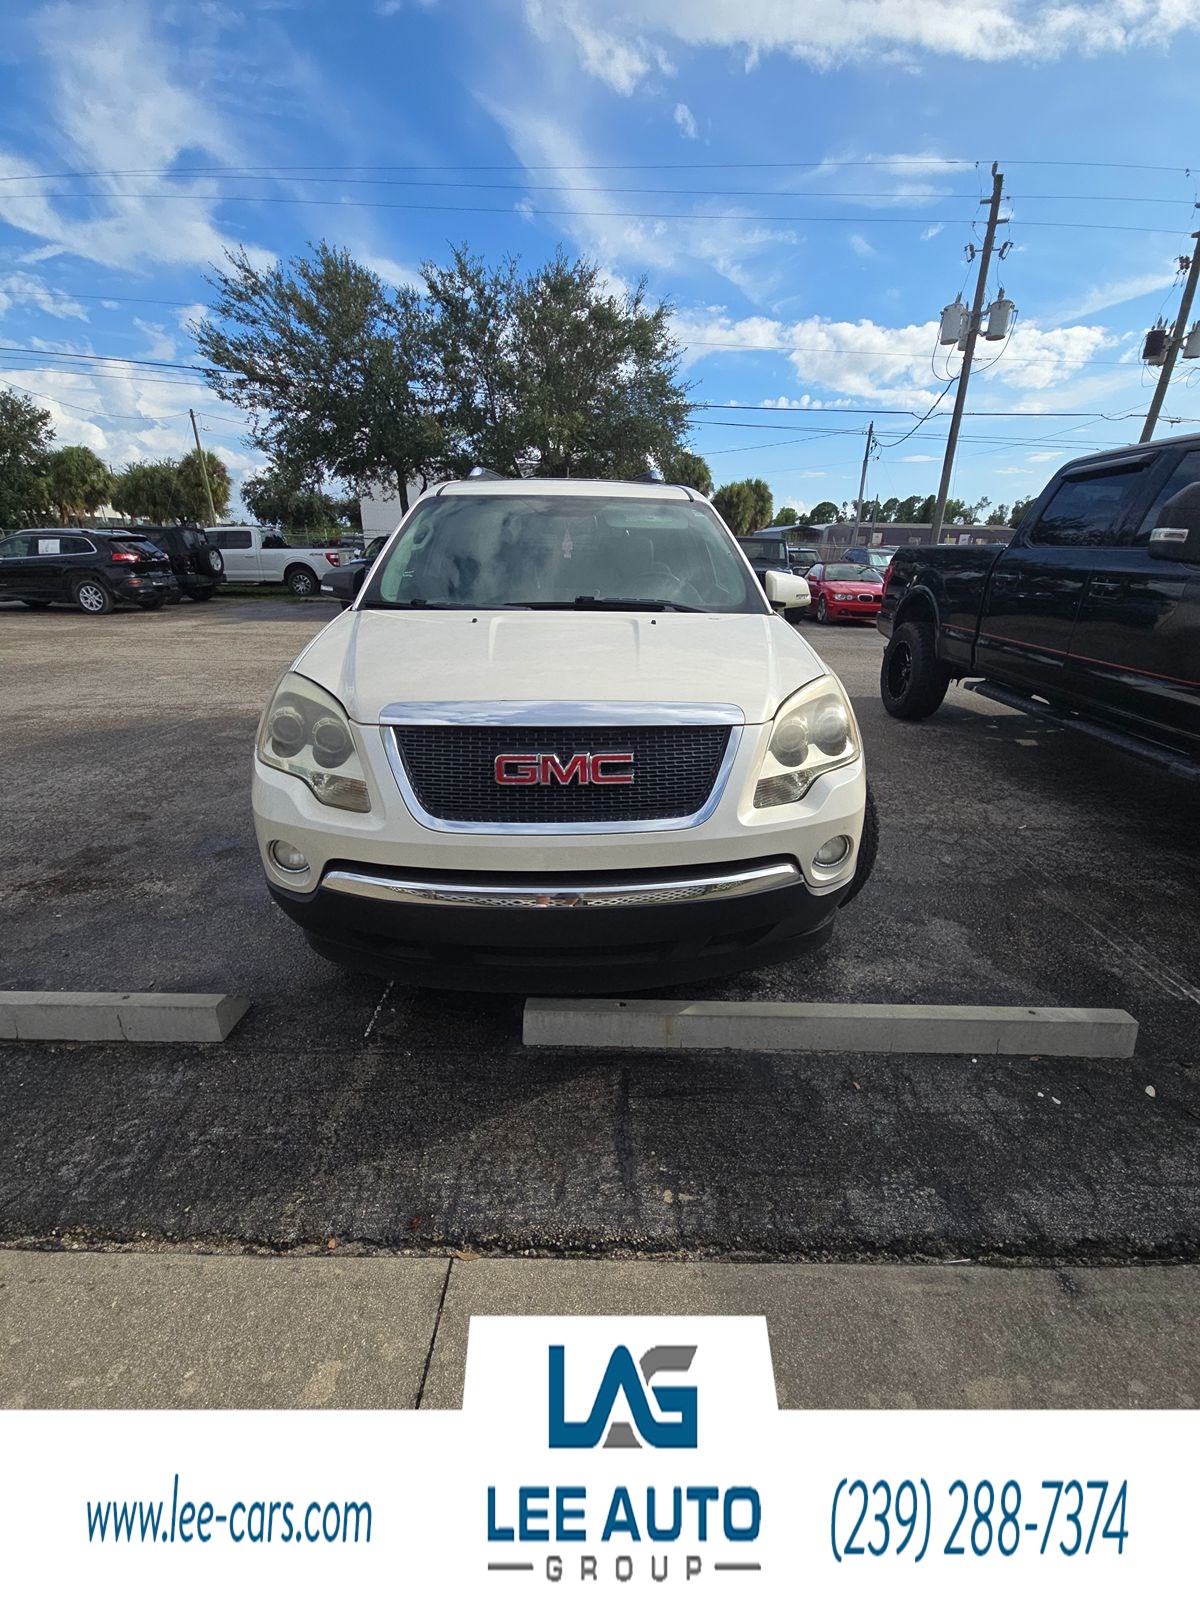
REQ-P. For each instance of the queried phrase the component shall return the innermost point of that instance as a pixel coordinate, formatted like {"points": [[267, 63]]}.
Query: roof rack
{"points": [[484, 472], [652, 475]]}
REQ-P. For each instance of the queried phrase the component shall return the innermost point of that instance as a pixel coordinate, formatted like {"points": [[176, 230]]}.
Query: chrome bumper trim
{"points": [[631, 893]]}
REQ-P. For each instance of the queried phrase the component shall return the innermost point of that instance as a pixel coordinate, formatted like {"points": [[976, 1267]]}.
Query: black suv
{"points": [[84, 567], [197, 564]]}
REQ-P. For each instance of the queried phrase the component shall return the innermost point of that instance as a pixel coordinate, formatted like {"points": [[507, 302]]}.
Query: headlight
{"points": [[814, 731], [845, 597], [307, 734]]}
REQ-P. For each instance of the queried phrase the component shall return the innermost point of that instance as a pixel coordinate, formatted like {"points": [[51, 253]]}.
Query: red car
{"points": [[844, 589]]}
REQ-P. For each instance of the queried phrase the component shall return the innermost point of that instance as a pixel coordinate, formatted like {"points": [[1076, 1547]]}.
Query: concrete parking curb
{"points": [[120, 1018], [765, 1025]]}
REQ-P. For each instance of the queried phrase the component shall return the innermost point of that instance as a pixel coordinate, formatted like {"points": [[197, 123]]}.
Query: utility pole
{"points": [[862, 481], [1173, 347], [960, 398], [212, 510]]}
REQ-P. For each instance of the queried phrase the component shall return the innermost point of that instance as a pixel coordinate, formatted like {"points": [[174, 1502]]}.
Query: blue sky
{"points": [[798, 177]]}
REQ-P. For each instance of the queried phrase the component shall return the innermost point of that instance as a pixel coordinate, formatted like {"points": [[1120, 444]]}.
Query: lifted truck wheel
{"points": [[912, 681], [868, 849]]}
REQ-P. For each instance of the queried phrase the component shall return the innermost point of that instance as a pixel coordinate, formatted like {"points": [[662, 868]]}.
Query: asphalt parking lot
{"points": [[1018, 864]]}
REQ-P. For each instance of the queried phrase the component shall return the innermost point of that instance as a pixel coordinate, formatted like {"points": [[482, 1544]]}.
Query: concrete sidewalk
{"points": [[157, 1330]]}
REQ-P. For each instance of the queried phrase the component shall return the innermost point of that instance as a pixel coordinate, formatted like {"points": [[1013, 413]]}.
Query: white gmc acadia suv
{"points": [[561, 743]]}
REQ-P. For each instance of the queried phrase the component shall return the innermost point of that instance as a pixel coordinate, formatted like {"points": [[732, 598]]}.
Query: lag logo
{"points": [[674, 1428]]}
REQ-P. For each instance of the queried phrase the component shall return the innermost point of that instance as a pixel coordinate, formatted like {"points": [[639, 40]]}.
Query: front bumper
{"points": [[566, 912], [566, 934], [866, 609]]}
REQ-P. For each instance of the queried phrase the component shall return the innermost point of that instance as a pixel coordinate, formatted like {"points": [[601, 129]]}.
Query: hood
{"points": [[857, 585], [373, 659]]}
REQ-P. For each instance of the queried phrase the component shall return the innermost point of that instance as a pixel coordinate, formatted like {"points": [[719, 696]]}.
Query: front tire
{"points": [[868, 849], [93, 597], [822, 610], [912, 681], [301, 582]]}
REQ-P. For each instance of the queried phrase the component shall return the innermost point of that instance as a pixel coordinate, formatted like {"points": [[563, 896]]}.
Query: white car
{"points": [[562, 743]]}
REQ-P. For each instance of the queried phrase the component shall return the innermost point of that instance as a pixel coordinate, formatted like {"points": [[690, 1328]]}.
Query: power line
{"points": [[615, 216], [928, 163], [71, 355], [892, 195]]}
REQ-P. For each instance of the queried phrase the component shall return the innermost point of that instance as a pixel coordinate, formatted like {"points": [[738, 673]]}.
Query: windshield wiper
{"points": [[420, 605], [591, 602]]}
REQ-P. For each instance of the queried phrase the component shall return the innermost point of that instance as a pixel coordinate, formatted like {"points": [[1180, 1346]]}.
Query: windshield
{"points": [[483, 552], [849, 572], [764, 550]]}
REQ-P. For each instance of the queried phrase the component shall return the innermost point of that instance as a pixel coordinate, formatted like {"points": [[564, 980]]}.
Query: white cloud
{"points": [[392, 272], [1103, 296], [91, 56], [554, 154], [686, 122], [919, 458], [826, 33], [24, 291], [932, 231], [890, 366], [861, 246], [1046, 455], [617, 57]]}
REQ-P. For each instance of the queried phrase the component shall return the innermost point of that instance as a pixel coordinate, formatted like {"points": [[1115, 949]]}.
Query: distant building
{"points": [[838, 535]]}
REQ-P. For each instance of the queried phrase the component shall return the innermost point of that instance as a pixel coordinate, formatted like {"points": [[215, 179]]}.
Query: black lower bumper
{"points": [[561, 951]]}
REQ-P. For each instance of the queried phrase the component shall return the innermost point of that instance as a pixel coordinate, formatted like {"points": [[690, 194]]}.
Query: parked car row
{"points": [[97, 569]]}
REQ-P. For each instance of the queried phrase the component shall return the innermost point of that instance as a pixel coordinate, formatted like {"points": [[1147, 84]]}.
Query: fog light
{"points": [[833, 852], [288, 857]]}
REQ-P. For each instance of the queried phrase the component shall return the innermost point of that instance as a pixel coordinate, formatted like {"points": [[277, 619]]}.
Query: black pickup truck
{"points": [[1091, 613]]}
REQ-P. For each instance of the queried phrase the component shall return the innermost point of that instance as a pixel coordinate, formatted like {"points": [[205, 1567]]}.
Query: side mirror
{"points": [[1177, 538], [786, 590]]}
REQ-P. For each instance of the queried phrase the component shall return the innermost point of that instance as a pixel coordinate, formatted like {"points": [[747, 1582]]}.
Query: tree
{"points": [[332, 367], [148, 489], [690, 470], [190, 495], [25, 439], [823, 511], [277, 496], [1019, 509], [998, 518], [552, 373], [786, 517], [745, 505], [77, 481]]}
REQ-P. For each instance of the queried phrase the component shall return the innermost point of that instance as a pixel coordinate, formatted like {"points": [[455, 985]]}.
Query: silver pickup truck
{"points": [[261, 555]]}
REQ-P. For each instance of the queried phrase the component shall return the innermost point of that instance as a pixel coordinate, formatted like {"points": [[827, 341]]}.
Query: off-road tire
{"points": [[912, 681]]}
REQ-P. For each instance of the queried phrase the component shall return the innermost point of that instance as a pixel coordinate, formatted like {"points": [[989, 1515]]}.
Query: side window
{"points": [[1185, 473], [238, 539], [77, 546], [817, 571], [1085, 510], [9, 548]]}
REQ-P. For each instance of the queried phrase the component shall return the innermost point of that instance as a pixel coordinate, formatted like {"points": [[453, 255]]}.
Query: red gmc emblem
{"points": [[608, 766]]}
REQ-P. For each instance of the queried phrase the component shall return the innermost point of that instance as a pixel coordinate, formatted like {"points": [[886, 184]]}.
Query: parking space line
{"points": [[382, 1002]]}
